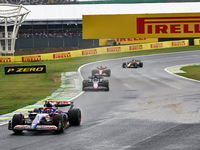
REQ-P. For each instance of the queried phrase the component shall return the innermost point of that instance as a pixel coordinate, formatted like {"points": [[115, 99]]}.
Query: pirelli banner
{"points": [[196, 41], [86, 52], [167, 25], [103, 42]]}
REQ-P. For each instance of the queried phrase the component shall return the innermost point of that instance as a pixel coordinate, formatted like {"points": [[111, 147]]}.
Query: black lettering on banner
{"points": [[25, 69]]}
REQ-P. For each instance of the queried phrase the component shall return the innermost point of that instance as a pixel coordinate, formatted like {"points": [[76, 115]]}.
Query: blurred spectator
{"points": [[52, 35]]}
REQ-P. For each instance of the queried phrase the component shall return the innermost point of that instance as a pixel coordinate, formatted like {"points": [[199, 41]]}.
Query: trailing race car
{"points": [[95, 83], [46, 118], [101, 71], [133, 64]]}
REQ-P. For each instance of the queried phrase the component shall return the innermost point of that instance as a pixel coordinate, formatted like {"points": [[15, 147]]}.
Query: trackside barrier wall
{"points": [[196, 41], [93, 51], [103, 42]]}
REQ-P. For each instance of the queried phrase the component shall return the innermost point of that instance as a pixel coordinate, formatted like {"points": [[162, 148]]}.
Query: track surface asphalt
{"points": [[146, 109]]}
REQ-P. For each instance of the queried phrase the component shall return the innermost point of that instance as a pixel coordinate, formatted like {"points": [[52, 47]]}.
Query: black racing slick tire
{"points": [[108, 72], [36, 110], [141, 64], [124, 65], [74, 116], [94, 72], [60, 122], [106, 83], [107, 89], [85, 83], [17, 120]]}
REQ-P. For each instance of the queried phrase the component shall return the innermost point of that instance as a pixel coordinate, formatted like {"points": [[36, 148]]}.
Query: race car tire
{"points": [[59, 119], [94, 72], [124, 65], [74, 116], [17, 120], [36, 110], [107, 89], [106, 83], [108, 72], [141, 64], [86, 83]]}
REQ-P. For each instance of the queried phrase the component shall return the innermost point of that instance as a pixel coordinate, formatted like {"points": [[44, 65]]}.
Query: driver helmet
{"points": [[47, 110]]}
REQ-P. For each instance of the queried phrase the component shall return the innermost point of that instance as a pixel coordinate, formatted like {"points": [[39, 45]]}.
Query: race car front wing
{"points": [[99, 88], [28, 127]]}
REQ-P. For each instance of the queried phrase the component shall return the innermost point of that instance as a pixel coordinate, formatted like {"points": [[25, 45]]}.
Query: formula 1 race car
{"points": [[46, 118], [101, 71], [95, 83], [132, 64]]}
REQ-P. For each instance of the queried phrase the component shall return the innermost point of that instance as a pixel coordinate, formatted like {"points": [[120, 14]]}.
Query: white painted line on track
{"points": [[3, 123], [167, 70]]}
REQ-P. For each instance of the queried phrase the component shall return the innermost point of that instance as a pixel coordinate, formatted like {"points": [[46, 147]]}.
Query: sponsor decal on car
{"points": [[31, 58], [61, 55], [62, 103], [21, 127], [25, 69], [48, 127]]}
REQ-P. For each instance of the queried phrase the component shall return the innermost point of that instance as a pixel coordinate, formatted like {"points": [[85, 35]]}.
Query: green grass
{"points": [[20, 90], [192, 72]]}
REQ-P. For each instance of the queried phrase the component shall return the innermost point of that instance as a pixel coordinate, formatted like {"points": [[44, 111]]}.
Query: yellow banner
{"points": [[168, 25], [103, 42], [196, 41], [158, 45], [93, 51]]}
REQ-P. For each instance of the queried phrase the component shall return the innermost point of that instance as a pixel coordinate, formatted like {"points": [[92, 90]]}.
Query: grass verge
{"points": [[17, 91], [192, 72]]}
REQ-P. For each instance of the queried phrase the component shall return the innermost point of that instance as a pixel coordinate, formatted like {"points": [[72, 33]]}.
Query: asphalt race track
{"points": [[146, 109]]}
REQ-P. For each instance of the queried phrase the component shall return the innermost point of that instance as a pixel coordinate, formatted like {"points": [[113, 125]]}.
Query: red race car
{"points": [[101, 71]]}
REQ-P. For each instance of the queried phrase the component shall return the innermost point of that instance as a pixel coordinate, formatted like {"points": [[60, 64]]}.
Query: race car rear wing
{"points": [[101, 67], [63, 104]]}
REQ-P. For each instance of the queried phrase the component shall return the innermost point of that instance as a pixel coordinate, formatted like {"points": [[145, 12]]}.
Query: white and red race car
{"points": [[46, 118], [101, 71]]}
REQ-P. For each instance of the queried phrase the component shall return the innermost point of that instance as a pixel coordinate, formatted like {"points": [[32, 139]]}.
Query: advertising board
{"points": [[165, 25]]}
